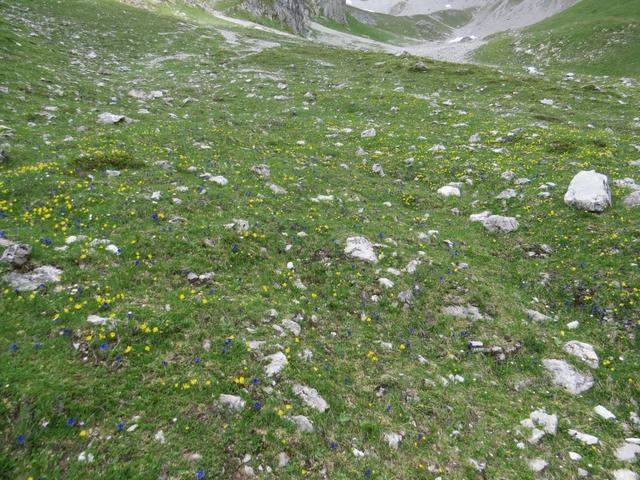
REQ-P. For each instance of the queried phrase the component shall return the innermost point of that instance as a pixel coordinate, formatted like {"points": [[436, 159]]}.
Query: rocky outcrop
{"points": [[297, 13]]}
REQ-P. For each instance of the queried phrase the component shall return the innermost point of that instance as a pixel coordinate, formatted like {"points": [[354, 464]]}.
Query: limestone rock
{"points": [[232, 402], [276, 364], [34, 279], [360, 248], [311, 397], [498, 223], [583, 351], [589, 191], [567, 377], [16, 255]]}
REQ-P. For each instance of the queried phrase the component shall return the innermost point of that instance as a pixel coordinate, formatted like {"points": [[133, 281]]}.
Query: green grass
{"points": [[593, 37], [154, 364]]}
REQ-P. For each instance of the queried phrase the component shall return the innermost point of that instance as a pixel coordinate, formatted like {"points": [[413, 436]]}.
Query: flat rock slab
{"points": [[583, 351], [498, 223], [361, 249], [25, 282], [566, 376], [311, 397]]}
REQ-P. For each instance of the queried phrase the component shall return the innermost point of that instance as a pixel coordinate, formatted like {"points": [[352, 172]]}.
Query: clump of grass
{"points": [[562, 146], [98, 159]]}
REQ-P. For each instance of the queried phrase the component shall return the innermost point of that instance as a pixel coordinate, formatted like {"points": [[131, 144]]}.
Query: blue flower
{"points": [[333, 445], [104, 346], [120, 426], [257, 406], [198, 360], [13, 347], [200, 474], [255, 381], [21, 439], [367, 472], [71, 421]]}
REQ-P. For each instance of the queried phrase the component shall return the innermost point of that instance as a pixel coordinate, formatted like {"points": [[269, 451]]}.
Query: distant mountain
{"points": [[488, 16]]}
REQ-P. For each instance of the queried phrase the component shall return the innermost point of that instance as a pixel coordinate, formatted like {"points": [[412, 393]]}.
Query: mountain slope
{"points": [[209, 301], [591, 37]]}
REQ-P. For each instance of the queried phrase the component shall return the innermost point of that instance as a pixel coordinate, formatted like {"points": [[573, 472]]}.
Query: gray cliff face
{"points": [[297, 13], [333, 9]]}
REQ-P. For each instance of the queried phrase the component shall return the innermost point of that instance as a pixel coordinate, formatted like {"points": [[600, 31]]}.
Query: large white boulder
{"points": [[589, 191]]}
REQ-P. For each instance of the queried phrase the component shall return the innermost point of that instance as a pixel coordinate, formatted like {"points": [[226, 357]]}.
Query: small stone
{"points": [[449, 191], [537, 316], [393, 439], [567, 377], [276, 364], [310, 397], [632, 200], [107, 118], [507, 194], [584, 437], [283, 459], [303, 424], [576, 457], [159, 437], [537, 465], [604, 413], [628, 452], [467, 312], [220, 180], [583, 351], [361, 249], [498, 223], [16, 255], [232, 402], [624, 474], [292, 326], [262, 170]]}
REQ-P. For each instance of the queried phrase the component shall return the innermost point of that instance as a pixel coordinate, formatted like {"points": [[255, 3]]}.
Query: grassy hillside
{"points": [[185, 290], [400, 30], [593, 36]]}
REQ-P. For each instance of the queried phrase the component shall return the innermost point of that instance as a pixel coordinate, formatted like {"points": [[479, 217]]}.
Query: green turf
{"points": [[594, 37], [68, 387]]}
